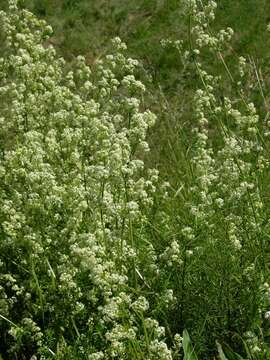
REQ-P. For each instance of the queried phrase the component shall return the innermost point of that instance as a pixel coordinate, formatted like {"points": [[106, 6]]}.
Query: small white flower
{"points": [[267, 315]]}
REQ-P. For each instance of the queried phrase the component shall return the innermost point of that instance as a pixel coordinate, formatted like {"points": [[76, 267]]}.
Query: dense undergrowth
{"points": [[101, 258]]}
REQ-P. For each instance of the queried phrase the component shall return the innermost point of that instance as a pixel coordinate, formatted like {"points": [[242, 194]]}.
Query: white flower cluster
{"points": [[72, 194], [226, 174], [220, 239], [172, 254], [201, 15]]}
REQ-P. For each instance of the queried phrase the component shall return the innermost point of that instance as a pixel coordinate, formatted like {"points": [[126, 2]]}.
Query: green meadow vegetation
{"points": [[134, 180]]}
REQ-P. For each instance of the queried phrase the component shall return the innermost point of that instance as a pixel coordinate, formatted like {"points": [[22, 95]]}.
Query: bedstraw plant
{"points": [[73, 203], [99, 257]]}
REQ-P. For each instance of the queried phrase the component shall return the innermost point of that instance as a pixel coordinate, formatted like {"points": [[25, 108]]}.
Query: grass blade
{"points": [[189, 353]]}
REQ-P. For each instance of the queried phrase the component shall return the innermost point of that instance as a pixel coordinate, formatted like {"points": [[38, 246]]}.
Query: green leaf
{"points": [[220, 352], [189, 353], [230, 354]]}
